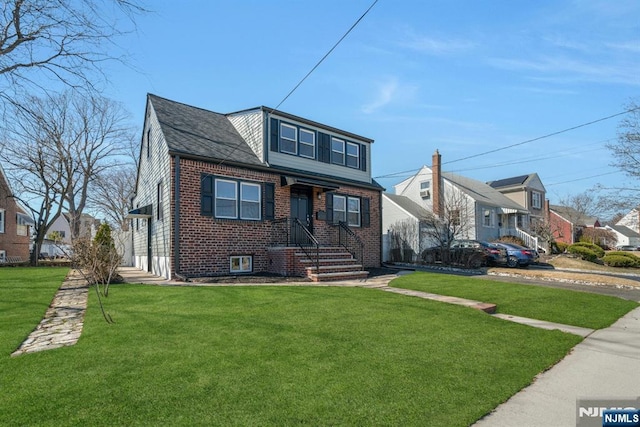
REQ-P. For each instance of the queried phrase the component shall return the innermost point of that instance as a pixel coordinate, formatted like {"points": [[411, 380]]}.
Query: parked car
{"points": [[493, 254], [627, 248], [518, 256]]}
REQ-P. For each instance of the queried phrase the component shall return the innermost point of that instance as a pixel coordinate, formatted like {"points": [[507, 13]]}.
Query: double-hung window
{"points": [[353, 155], [307, 143], [226, 199], [353, 212], [347, 209], [337, 151], [233, 199], [536, 200], [487, 219], [288, 139], [2, 220], [249, 201]]}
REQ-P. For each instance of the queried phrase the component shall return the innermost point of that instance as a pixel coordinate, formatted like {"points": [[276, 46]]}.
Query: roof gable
{"points": [[482, 192], [197, 132], [573, 216], [408, 205]]}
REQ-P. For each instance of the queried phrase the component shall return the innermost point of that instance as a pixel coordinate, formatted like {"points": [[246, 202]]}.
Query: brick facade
{"points": [[206, 243], [11, 243]]}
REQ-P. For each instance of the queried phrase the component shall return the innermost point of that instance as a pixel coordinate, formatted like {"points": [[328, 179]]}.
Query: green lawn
{"points": [[555, 305], [25, 295], [266, 356]]}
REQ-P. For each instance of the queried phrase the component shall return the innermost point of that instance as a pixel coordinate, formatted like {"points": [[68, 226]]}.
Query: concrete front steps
{"points": [[335, 263]]}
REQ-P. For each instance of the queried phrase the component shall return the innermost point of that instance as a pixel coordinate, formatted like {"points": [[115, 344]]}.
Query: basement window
{"points": [[241, 264]]}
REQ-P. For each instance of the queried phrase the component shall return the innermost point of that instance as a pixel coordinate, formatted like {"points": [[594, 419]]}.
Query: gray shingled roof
{"points": [[194, 131], [573, 215], [409, 205], [625, 231], [482, 192]]}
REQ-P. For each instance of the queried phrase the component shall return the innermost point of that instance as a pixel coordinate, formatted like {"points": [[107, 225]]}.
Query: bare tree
{"points": [[455, 222], [63, 40], [101, 135], [56, 147], [111, 194], [626, 152]]}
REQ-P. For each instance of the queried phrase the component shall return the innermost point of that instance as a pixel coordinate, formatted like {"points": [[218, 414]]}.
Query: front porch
{"points": [[295, 251]]}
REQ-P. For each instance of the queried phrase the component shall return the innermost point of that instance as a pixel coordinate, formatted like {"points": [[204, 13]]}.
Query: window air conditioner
{"points": [[425, 194]]}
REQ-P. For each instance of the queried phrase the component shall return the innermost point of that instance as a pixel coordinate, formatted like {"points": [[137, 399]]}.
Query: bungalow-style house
{"points": [[527, 191], [482, 212], [15, 225], [566, 223], [631, 220], [254, 191], [403, 229], [625, 235]]}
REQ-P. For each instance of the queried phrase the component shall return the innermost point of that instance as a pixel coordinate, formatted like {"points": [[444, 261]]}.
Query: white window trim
{"points": [[235, 199], [344, 211], [349, 211], [240, 263], [491, 217], [242, 199], [312, 144], [356, 156], [536, 200], [3, 220], [343, 152], [294, 140]]}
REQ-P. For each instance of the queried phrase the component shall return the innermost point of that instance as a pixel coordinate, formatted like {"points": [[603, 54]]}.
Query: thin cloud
{"points": [[384, 96], [435, 46]]}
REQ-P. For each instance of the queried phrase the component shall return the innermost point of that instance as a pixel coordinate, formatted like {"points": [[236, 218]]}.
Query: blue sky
{"points": [[463, 77]]}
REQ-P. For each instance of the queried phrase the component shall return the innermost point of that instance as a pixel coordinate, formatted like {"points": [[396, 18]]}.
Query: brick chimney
{"points": [[438, 195]]}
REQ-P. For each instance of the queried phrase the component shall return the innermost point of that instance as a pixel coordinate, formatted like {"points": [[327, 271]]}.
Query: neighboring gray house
{"points": [[625, 235], [487, 213], [402, 213]]}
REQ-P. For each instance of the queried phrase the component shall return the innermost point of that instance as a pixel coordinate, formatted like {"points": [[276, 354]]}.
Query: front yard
{"points": [[265, 356]]}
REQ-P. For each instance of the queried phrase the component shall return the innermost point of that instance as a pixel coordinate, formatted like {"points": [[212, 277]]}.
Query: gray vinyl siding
{"points": [[308, 165], [250, 126], [154, 168], [315, 166]]}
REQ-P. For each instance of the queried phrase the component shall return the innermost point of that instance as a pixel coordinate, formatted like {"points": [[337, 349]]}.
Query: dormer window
{"points": [[307, 143], [288, 139], [337, 151], [353, 155]]}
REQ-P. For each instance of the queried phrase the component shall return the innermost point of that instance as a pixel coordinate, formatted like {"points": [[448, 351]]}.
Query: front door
{"points": [[301, 208]]}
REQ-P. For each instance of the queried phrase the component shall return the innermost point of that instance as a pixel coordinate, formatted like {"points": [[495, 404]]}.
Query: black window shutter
{"points": [[324, 147], [363, 157], [206, 195], [269, 200], [366, 212], [274, 134], [329, 208]]}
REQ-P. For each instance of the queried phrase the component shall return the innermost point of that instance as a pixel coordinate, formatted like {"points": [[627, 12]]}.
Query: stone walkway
{"points": [[63, 321]]}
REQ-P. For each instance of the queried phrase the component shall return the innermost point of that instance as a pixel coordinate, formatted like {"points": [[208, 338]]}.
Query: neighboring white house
{"points": [[631, 220], [400, 212], [625, 235], [487, 213]]}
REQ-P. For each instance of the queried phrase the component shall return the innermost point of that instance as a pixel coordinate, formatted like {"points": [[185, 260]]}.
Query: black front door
{"points": [[301, 208]]}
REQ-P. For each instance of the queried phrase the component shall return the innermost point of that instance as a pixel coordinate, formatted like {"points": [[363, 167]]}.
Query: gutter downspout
{"points": [[176, 218]]}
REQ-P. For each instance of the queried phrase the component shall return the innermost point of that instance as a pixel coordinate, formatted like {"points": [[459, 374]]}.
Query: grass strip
{"points": [[554, 305]]}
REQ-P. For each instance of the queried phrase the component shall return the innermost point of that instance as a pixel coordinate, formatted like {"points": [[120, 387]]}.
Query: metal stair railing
{"points": [[349, 240]]}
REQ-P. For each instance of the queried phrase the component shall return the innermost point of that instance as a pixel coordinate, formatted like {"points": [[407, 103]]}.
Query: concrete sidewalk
{"points": [[605, 365]]}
